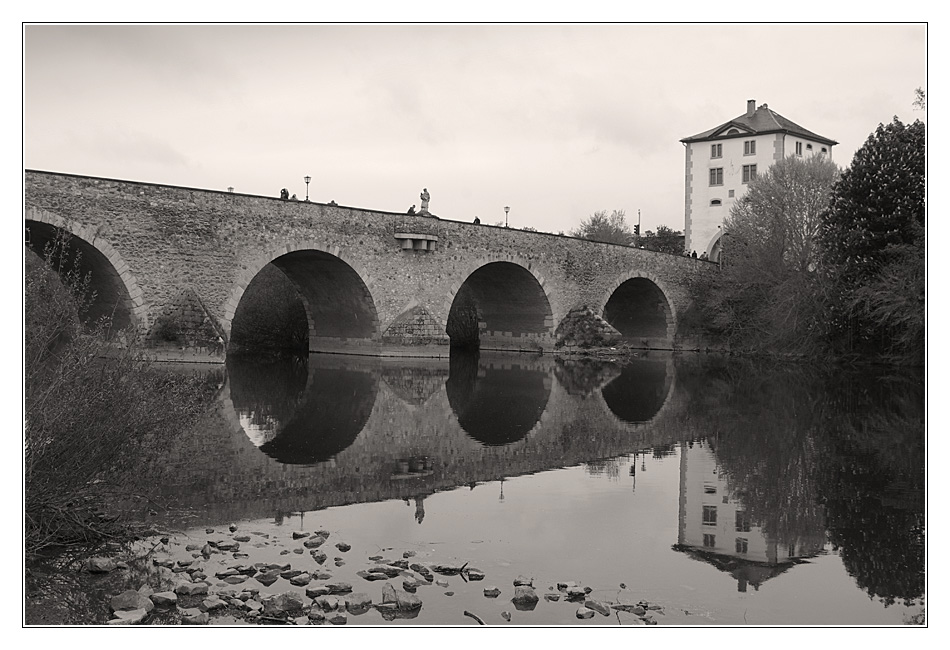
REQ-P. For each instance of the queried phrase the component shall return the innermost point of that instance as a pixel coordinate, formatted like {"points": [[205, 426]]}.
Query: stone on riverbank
{"points": [[129, 617], [268, 578], [100, 565], [357, 603], [164, 598], [194, 616], [192, 589], [583, 612], [289, 603], [129, 600]]}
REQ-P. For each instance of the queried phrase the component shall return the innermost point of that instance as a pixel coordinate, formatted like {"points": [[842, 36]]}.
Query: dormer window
{"points": [[732, 131]]}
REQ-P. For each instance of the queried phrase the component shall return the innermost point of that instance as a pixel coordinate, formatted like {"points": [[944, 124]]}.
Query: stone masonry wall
{"points": [[170, 239]]}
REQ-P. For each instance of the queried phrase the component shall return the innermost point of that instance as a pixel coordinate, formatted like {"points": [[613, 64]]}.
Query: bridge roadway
{"points": [[416, 432], [372, 282]]}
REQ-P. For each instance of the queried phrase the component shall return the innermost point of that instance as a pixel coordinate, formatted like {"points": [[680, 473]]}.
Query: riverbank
{"points": [[232, 577]]}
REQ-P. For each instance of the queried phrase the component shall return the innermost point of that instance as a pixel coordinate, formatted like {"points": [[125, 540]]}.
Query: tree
{"points": [[664, 240], [95, 411], [769, 293], [873, 241], [610, 229]]}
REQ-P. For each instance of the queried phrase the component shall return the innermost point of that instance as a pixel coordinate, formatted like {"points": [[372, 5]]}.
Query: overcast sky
{"points": [[555, 121]]}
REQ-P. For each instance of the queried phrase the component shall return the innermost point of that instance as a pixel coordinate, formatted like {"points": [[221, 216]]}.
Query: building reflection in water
{"points": [[716, 527]]}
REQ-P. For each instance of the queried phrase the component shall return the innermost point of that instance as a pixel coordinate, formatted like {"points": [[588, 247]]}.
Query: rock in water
{"points": [[583, 612], [598, 607], [525, 597]]}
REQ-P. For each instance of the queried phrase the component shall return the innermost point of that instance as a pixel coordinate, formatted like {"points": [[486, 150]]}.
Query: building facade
{"points": [[720, 163]]}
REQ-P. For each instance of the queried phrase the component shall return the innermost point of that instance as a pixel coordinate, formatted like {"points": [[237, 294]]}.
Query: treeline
{"points": [[819, 261]]}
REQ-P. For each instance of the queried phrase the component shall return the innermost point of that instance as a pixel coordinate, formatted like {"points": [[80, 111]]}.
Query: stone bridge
{"points": [[371, 282]]}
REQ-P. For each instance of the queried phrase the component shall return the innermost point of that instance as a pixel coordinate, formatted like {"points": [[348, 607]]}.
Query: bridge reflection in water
{"points": [[332, 429]]}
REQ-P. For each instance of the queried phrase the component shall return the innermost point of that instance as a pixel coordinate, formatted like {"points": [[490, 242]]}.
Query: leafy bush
{"points": [[94, 409]]}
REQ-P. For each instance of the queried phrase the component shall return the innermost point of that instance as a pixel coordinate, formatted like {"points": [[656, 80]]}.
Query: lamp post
{"points": [[306, 179], [231, 190], [506, 215]]}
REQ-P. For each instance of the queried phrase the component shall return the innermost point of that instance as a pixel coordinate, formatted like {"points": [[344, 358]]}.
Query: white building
{"points": [[720, 163]]}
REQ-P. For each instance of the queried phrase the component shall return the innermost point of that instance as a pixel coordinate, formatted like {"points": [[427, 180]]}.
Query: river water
{"points": [[724, 492]]}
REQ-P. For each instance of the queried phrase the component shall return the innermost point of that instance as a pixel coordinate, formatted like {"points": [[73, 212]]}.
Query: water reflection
{"points": [[497, 400], [750, 469], [640, 390], [800, 461], [302, 412]]}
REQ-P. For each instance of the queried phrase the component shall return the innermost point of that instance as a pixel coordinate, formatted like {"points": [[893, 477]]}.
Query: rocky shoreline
{"points": [[215, 581]]}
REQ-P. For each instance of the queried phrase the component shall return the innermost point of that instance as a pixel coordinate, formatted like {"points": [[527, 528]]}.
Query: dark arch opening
{"points": [[110, 297], [500, 305], [640, 312], [308, 410], [640, 391], [299, 302], [495, 403]]}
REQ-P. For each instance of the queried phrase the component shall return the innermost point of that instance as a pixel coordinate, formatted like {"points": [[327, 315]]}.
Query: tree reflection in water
{"points": [[816, 456]]}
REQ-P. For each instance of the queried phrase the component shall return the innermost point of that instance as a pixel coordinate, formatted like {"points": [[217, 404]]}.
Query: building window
{"points": [[732, 131], [709, 541], [732, 194], [716, 151], [798, 148], [742, 545], [748, 173], [709, 515], [715, 176], [709, 489], [742, 521], [808, 147], [824, 150], [749, 148], [715, 203]]}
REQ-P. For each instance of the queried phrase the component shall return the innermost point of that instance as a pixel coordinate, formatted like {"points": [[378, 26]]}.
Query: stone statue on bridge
{"points": [[424, 197]]}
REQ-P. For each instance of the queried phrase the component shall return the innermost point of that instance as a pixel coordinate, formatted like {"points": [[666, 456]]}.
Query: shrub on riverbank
{"points": [[93, 409]]}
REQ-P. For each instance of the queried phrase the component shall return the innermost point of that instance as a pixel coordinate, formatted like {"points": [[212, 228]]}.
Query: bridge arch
{"points": [[335, 294], [638, 305], [500, 303], [118, 294]]}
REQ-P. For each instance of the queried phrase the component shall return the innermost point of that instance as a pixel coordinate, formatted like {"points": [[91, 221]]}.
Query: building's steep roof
{"points": [[762, 120]]}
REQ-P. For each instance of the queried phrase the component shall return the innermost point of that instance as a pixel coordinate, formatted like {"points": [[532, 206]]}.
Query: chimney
{"points": [[750, 107]]}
